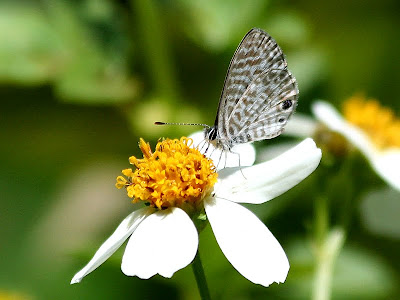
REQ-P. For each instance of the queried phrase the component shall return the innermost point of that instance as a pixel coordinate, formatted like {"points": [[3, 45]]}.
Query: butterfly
{"points": [[259, 94], [258, 97]]}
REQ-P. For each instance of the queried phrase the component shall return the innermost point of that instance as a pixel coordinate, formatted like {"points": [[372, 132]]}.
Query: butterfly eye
{"points": [[286, 104]]}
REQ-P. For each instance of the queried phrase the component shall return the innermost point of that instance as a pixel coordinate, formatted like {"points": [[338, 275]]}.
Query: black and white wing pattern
{"points": [[259, 93]]}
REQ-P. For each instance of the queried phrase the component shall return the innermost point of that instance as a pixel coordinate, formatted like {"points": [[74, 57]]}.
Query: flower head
{"points": [[371, 128], [177, 182], [175, 175]]}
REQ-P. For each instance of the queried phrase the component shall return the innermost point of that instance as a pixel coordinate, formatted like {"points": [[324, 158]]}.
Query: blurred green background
{"points": [[81, 81]]}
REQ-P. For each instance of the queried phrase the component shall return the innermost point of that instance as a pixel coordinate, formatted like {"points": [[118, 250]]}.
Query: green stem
{"points": [[321, 220], [200, 277], [327, 245], [326, 254]]}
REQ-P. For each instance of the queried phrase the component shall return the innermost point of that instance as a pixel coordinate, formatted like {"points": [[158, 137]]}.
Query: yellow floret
{"points": [[176, 174], [379, 123]]}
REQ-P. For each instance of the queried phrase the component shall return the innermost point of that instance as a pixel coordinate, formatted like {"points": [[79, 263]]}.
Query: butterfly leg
{"points": [[220, 157], [226, 158], [240, 165], [202, 143], [208, 146]]}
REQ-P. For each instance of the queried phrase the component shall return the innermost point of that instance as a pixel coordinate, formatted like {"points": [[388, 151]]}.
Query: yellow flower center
{"points": [[378, 122], [174, 175]]}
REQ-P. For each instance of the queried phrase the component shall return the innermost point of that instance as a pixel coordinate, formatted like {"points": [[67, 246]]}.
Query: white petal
{"points": [[242, 154], [265, 181], [387, 165], [273, 151], [197, 137], [246, 242], [111, 245], [301, 126], [329, 116], [164, 243]]}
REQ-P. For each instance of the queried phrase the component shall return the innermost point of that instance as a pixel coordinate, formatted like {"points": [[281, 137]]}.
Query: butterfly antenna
{"points": [[191, 124]]}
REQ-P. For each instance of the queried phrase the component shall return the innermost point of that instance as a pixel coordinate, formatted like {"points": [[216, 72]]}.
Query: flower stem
{"points": [[326, 254], [200, 278], [328, 244]]}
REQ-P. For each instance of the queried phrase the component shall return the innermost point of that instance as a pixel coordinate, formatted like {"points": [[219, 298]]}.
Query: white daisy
{"points": [[179, 183], [365, 124], [370, 128]]}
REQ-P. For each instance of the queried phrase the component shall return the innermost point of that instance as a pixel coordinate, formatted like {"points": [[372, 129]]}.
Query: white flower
{"points": [[165, 241], [385, 161], [383, 157]]}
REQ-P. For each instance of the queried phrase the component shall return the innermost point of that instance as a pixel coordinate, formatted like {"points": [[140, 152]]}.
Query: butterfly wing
{"points": [[256, 53], [263, 110]]}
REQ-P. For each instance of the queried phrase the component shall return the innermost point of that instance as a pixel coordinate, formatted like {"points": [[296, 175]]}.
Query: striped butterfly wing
{"points": [[256, 54], [265, 107]]}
